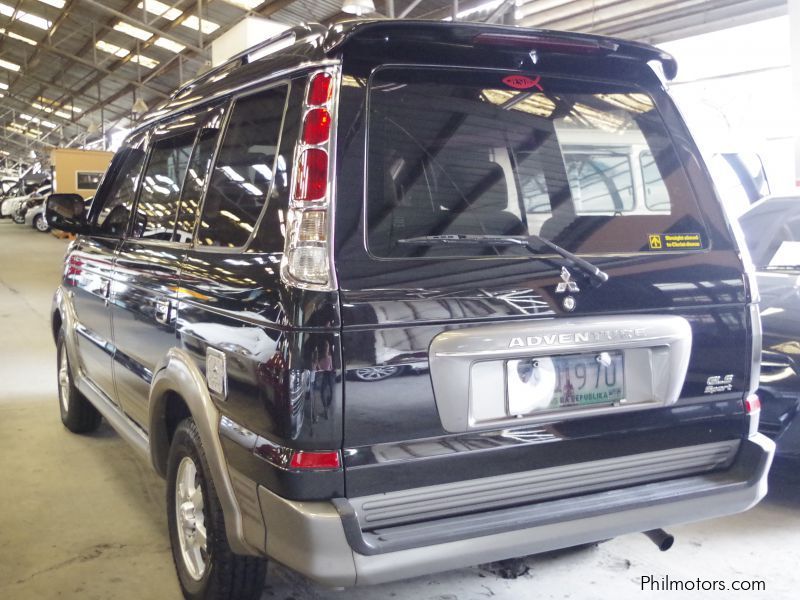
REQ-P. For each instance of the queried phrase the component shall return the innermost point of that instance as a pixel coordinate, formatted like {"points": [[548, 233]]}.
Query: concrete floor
{"points": [[82, 517]]}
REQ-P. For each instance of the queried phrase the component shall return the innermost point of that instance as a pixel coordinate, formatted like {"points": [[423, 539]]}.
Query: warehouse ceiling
{"points": [[74, 72]]}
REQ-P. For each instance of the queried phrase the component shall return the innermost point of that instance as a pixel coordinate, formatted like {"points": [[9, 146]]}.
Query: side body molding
{"points": [[178, 374]]}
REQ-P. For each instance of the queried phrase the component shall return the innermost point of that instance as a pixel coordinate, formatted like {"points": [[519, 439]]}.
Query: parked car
{"points": [[772, 229], [14, 207], [34, 216], [356, 196]]}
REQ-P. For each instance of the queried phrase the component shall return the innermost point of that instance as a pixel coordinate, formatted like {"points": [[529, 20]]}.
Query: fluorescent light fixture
{"points": [[6, 64], [169, 45], [358, 7], [3, 86], [111, 49], [131, 30], [20, 15], [146, 62], [245, 4], [160, 9], [17, 36], [193, 22], [49, 124], [55, 3]]}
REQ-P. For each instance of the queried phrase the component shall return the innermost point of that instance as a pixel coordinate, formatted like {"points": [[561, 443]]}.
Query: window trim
{"points": [[287, 82]]}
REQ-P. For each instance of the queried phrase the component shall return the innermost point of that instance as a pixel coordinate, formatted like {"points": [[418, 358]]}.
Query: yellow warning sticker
{"points": [[675, 241], [655, 242]]}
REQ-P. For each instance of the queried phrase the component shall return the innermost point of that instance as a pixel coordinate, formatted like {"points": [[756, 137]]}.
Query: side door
{"points": [[92, 261], [147, 268]]}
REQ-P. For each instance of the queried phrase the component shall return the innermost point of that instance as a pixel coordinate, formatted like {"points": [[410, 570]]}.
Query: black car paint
{"points": [[268, 331]]}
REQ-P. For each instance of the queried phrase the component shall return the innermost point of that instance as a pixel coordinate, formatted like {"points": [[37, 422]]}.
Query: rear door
{"points": [[147, 269], [504, 359]]}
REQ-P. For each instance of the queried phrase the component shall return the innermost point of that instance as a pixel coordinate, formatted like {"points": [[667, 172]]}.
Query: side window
{"points": [[114, 203], [272, 228], [194, 183], [161, 186], [242, 178], [600, 181], [656, 195]]}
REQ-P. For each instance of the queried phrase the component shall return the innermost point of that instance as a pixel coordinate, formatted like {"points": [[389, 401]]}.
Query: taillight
{"points": [[311, 177], [302, 459], [307, 260], [752, 407], [320, 89], [752, 404], [317, 126]]}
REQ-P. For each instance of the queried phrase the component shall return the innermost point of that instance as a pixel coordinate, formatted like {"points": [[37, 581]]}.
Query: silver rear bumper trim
{"points": [[324, 541]]}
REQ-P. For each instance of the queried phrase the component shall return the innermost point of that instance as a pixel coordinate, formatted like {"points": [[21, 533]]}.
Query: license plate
{"points": [[547, 383]]}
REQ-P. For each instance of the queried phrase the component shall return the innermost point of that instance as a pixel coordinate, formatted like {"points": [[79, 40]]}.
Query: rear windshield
{"points": [[586, 164]]}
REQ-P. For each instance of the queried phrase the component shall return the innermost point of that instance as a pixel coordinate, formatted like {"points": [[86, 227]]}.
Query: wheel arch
{"points": [[179, 390]]}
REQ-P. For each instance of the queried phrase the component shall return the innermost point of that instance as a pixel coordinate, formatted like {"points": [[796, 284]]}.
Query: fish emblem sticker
{"points": [[522, 82]]}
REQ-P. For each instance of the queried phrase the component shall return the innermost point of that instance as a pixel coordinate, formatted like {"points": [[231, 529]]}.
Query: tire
{"points": [[210, 570], [77, 413], [40, 224]]}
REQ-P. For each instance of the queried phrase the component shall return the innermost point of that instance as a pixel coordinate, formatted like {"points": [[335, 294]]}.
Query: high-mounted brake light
{"points": [[315, 460], [307, 260], [554, 44], [317, 126]]}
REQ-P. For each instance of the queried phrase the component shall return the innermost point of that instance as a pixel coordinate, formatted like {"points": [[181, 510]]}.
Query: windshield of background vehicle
{"points": [[586, 164]]}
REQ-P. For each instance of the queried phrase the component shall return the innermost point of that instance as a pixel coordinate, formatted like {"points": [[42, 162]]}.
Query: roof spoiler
{"points": [[544, 40]]}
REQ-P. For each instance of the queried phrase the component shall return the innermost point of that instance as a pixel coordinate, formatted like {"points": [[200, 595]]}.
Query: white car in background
{"points": [[11, 205], [35, 217]]}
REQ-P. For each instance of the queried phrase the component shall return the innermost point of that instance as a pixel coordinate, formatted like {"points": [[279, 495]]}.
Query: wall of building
{"points": [[76, 171]]}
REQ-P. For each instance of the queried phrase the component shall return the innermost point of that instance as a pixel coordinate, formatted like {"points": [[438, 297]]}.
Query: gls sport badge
{"points": [[719, 383]]}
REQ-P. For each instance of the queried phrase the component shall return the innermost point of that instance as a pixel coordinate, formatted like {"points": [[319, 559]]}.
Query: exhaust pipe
{"points": [[660, 538]]}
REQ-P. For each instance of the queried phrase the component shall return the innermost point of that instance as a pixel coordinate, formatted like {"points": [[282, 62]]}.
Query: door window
{"points": [[242, 178], [112, 207], [161, 186]]}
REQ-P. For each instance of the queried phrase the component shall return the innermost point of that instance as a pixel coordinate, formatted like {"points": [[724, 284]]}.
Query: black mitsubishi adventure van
{"points": [[393, 297]]}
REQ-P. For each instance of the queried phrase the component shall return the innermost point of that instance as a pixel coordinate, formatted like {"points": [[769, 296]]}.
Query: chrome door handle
{"points": [[163, 310]]}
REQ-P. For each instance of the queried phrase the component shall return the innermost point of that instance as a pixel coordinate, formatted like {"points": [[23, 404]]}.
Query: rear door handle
{"points": [[163, 310]]}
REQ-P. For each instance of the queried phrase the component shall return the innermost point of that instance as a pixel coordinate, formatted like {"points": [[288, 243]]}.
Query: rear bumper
{"points": [[325, 542]]}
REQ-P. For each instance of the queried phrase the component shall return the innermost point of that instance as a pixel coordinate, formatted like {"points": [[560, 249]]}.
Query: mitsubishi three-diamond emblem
{"points": [[566, 284]]}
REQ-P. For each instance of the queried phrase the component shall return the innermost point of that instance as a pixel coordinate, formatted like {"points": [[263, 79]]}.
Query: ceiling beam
{"points": [[141, 24]]}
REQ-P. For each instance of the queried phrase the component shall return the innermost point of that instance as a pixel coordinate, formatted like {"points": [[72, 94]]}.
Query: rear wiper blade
{"points": [[585, 266]]}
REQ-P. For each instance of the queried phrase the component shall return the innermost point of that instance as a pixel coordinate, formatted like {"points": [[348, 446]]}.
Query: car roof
{"points": [[313, 43]]}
